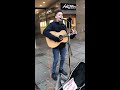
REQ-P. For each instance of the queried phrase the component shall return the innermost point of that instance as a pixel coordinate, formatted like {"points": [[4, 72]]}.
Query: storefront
{"points": [[69, 11], [47, 16]]}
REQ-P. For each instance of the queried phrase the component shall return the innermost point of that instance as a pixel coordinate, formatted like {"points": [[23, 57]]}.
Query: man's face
{"points": [[59, 16]]}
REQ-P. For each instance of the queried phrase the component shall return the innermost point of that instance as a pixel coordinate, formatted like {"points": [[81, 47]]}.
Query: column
{"points": [[80, 19]]}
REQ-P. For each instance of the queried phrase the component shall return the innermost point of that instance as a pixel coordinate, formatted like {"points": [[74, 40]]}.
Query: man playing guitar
{"points": [[57, 26]]}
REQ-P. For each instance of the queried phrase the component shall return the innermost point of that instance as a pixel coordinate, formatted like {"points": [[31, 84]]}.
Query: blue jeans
{"points": [[56, 58]]}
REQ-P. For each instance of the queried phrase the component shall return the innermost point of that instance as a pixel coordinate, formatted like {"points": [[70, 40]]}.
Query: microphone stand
{"points": [[69, 47]]}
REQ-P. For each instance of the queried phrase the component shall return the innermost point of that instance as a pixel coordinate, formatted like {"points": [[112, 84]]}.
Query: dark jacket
{"points": [[54, 26]]}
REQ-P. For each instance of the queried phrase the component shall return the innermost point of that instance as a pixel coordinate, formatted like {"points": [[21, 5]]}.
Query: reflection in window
{"points": [[43, 24]]}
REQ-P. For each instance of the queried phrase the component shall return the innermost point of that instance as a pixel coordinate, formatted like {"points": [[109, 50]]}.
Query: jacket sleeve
{"points": [[47, 33], [71, 36]]}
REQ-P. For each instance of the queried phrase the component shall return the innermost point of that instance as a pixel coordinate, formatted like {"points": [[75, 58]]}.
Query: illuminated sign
{"points": [[67, 6]]}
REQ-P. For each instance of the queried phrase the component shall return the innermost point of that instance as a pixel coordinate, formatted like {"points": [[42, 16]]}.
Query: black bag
{"points": [[78, 74], [83, 88]]}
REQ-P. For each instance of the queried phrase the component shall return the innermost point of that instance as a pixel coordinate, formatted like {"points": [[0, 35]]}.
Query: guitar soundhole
{"points": [[60, 37]]}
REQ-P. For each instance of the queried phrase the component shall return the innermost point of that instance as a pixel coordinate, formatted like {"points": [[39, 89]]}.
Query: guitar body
{"points": [[53, 44]]}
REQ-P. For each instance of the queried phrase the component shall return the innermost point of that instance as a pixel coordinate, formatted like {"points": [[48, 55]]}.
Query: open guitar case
{"points": [[78, 74]]}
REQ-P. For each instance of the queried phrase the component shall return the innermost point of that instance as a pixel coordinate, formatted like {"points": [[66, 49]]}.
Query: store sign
{"points": [[66, 6]]}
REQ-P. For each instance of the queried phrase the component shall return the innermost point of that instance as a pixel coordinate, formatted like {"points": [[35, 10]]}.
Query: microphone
{"points": [[63, 19]]}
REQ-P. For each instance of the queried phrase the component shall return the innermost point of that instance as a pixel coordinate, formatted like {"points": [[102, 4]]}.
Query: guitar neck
{"points": [[66, 35]]}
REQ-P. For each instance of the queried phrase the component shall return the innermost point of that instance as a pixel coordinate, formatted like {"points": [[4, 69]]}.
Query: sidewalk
{"points": [[43, 62]]}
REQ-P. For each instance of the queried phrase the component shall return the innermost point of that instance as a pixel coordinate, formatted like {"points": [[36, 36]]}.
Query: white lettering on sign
{"points": [[69, 6], [70, 85]]}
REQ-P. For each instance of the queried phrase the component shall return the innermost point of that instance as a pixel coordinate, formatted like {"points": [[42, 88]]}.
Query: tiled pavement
{"points": [[43, 56]]}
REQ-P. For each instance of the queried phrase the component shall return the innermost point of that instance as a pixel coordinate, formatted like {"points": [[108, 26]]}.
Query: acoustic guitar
{"points": [[62, 35]]}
